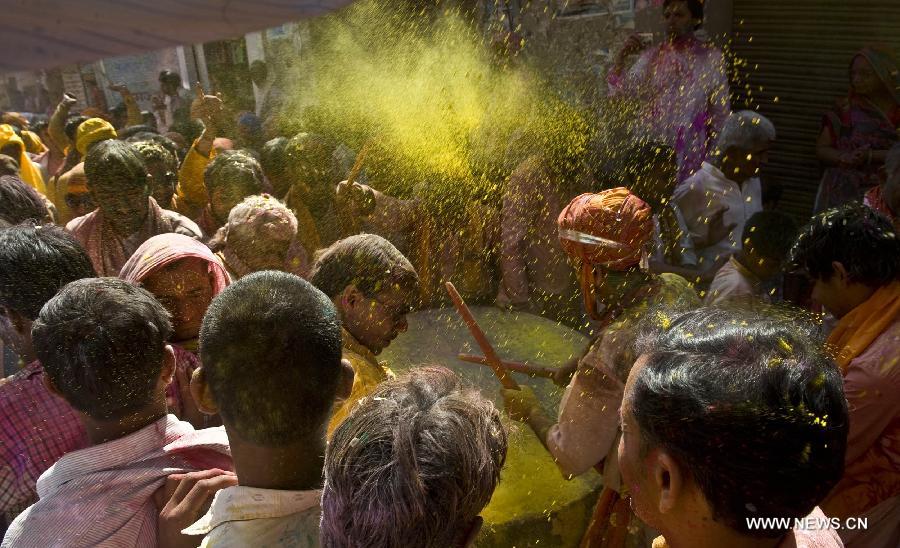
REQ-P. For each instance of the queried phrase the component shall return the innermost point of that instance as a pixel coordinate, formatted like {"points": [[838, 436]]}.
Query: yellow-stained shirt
{"points": [[190, 194], [368, 374]]}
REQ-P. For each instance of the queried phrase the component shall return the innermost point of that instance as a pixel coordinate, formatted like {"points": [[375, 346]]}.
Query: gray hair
{"points": [[892, 162], [745, 129], [413, 465]]}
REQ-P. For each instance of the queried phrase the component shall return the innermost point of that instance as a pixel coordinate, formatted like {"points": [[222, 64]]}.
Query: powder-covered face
{"points": [[377, 320], [185, 289], [124, 207]]}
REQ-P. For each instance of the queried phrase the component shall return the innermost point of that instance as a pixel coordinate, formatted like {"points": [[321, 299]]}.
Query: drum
{"points": [[534, 505]]}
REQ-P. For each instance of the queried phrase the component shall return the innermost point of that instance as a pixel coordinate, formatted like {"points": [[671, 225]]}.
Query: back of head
{"points": [[130, 133], [859, 238], [744, 130], [154, 151], [102, 342], [272, 159], [308, 157], [115, 165], [170, 78], [19, 203], [750, 406], [72, 124], [236, 169], [271, 349], [770, 234], [35, 263], [413, 464], [366, 261]]}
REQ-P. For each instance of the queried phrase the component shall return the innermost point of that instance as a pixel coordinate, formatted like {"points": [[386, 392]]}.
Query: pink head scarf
{"points": [[163, 250]]}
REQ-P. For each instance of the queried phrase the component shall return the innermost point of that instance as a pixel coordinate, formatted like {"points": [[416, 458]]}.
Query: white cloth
{"points": [[246, 516], [103, 495], [702, 194], [732, 281]]}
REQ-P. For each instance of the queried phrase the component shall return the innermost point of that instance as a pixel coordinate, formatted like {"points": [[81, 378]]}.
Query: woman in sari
{"points": [[858, 132], [184, 276]]}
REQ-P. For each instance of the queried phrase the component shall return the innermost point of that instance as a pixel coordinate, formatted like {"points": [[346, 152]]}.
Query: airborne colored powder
{"points": [[446, 115]]}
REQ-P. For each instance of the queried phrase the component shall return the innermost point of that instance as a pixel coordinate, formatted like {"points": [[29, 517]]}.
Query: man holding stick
{"points": [[606, 235]]}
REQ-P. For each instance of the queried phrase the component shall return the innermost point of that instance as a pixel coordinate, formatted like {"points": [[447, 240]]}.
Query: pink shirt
{"points": [[104, 494]]}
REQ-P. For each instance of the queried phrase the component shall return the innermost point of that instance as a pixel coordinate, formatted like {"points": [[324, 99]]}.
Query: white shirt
{"points": [[707, 190], [246, 516]]}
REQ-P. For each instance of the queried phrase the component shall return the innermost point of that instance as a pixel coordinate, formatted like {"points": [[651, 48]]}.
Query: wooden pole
{"points": [[532, 370], [490, 355]]}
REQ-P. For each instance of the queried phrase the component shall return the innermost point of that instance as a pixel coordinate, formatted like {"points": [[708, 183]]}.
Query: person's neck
{"points": [[294, 467], [858, 294], [750, 264], [101, 431], [724, 164]]}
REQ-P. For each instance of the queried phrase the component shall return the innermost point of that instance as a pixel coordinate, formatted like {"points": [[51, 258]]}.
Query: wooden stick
{"points": [[490, 355], [358, 164], [532, 370]]}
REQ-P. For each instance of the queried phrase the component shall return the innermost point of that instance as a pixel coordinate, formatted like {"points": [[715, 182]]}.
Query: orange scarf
{"points": [[858, 329]]}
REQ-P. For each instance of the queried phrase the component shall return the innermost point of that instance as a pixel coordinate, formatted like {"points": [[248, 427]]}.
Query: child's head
{"points": [[271, 352], [162, 166], [373, 285], [102, 342], [768, 238]]}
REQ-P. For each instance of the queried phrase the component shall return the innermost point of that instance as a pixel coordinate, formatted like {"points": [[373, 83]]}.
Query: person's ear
{"points": [[345, 384], [841, 272], [202, 394], [473, 532], [350, 297], [669, 481], [168, 368]]}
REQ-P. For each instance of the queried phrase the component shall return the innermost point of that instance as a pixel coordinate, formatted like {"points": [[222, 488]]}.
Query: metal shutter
{"points": [[799, 51]]}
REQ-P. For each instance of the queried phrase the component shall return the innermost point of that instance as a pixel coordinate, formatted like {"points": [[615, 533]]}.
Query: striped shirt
{"points": [[37, 427], [103, 495]]}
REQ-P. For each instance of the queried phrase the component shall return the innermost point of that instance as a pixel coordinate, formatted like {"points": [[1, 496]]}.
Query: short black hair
{"points": [[367, 261], [40, 126], [751, 405], [169, 77], [19, 202], [36, 261], [235, 168], [9, 166], [861, 239], [102, 342], [695, 7], [271, 348], [71, 129], [770, 234], [128, 132], [115, 163]]}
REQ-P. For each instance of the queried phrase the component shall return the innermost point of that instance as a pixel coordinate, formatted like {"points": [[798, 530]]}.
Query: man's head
{"points": [[372, 284], [605, 235], [118, 183], [35, 262], [652, 173], [162, 166], [71, 128], [744, 144], [413, 465], [768, 238], [682, 17], [261, 232], [19, 203], [271, 351], [259, 72], [102, 342], [9, 166], [230, 177], [730, 415], [93, 131], [307, 159], [169, 82], [890, 191], [848, 253], [274, 165]]}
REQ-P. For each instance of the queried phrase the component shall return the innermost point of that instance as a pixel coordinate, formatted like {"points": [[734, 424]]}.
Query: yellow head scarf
{"points": [[28, 172]]}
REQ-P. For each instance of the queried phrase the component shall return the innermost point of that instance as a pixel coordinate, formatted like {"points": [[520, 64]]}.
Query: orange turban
{"points": [[607, 230]]}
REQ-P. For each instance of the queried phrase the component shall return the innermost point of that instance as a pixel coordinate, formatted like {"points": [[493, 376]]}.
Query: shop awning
{"points": [[38, 34]]}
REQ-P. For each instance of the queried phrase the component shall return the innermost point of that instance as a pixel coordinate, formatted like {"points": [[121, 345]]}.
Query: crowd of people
{"points": [[192, 309]]}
